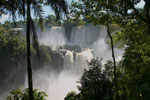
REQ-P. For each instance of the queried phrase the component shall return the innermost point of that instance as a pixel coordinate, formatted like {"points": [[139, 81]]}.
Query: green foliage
{"points": [[45, 52], [94, 11], [74, 22], [136, 62], [51, 21], [129, 28], [95, 83], [9, 24], [134, 77], [13, 47], [11, 44], [24, 95], [71, 96]]}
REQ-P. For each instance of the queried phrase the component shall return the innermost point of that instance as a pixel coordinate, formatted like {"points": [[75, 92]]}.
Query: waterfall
{"points": [[69, 53], [81, 60], [85, 43], [85, 36], [76, 62], [68, 60], [54, 38]]}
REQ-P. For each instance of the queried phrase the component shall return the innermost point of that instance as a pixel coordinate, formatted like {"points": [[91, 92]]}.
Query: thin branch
{"points": [[113, 56]]}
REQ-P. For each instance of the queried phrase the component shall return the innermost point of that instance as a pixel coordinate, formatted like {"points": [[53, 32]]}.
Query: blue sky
{"points": [[47, 11]]}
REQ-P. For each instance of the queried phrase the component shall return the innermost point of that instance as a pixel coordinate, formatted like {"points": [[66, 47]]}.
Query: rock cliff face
{"points": [[57, 61]]}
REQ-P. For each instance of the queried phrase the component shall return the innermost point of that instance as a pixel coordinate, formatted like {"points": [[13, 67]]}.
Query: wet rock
{"points": [[57, 60], [74, 48]]}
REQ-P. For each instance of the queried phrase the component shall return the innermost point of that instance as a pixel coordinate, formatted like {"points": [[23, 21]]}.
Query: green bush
{"points": [[71, 96], [24, 95]]}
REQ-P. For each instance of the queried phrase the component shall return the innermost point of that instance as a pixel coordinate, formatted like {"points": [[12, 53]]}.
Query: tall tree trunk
{"points": [[113, 56], [147, 14], [29, 69]]}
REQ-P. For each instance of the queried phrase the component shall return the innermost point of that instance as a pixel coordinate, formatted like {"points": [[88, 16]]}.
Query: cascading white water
{"points": [[85, 36], [81, 60], [54, 38], [91, 40], [68, 60]]}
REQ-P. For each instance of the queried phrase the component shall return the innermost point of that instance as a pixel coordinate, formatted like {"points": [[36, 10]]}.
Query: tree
{"points": [[135, 62], [96, 82], [14, 7], [124, 10], [29, 70], [71, 96], [113, 55], [51, 21]]}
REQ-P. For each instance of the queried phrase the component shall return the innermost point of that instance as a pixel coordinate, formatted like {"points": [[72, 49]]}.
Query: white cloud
{"points": [[3, 18]]}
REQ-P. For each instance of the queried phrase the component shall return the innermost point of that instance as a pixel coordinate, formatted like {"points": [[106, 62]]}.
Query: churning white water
{"points": [[90, 42]]}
